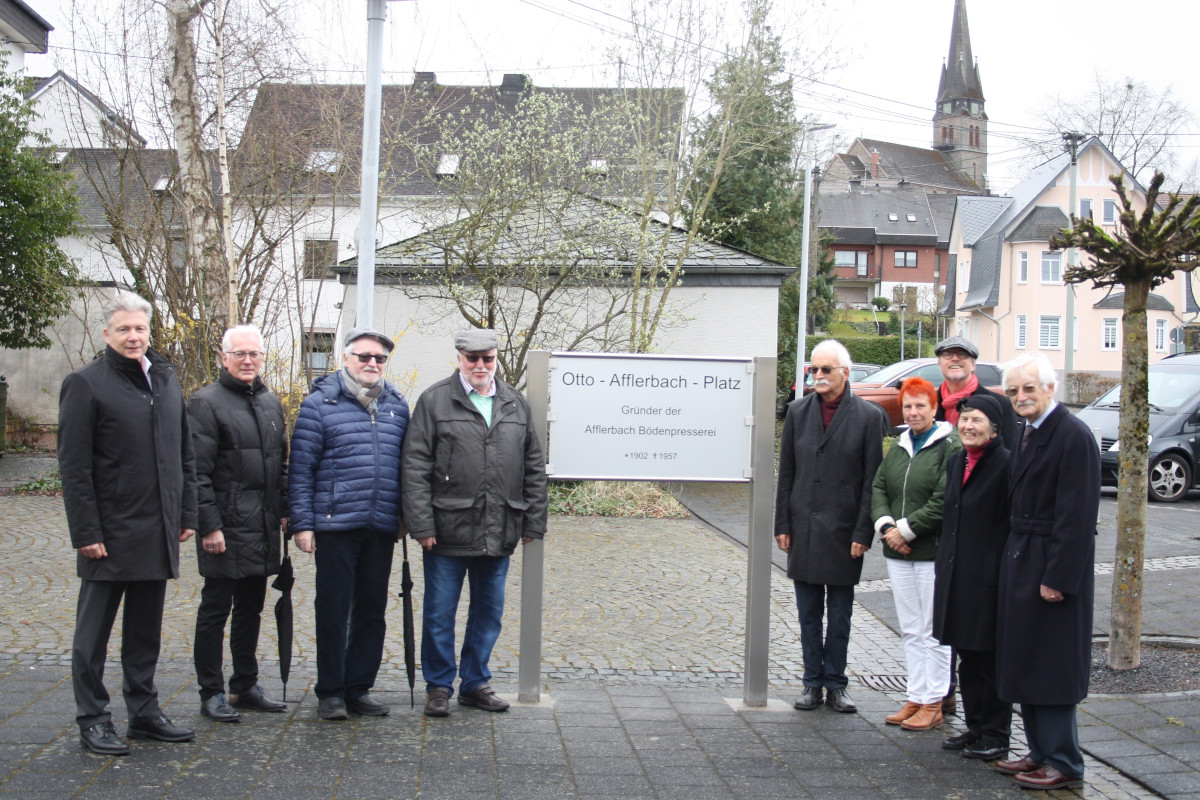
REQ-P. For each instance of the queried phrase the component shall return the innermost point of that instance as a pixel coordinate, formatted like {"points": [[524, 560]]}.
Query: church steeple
{"points": [[959, 120]]}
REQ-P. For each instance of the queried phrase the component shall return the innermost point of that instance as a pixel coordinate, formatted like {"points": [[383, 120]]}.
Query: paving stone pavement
{"points": [[642, 672]]}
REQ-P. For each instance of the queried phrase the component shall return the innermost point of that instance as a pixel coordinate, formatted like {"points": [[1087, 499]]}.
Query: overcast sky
{"points": [[887, 54]]}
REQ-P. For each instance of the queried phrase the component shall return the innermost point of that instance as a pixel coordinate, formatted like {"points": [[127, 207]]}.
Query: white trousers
{"points": [[928, 662]]}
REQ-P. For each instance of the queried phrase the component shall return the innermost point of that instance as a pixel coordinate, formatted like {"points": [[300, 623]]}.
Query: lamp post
{"points": [[902, 307], [802, 311]]}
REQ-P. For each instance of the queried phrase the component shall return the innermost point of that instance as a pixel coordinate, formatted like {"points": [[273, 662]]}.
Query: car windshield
{"points": [[891, 372], [1168, 390]]}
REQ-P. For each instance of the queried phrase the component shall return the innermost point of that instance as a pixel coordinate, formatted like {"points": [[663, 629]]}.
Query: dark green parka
{"points": [[909, 491]]}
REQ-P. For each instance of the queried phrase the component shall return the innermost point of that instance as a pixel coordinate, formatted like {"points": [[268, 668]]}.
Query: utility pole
{"points": [[811, 174], [369, 192], [1072, 141]]}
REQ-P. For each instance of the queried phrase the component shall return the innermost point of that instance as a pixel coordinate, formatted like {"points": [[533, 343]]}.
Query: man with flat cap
{"points": [[474, 485], [956, 360], [344, 494]]}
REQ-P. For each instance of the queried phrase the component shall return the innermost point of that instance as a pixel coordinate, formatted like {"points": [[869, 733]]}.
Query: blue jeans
{"points": [[443, 587], [824, 652], [353, 568]]}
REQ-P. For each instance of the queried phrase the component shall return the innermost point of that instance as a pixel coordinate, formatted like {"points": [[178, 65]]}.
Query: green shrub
{"points": [[50, 483], [881, 303]]}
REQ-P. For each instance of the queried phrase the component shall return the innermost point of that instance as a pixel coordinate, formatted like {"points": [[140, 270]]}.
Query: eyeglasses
{"points": [[824, 370], [366, 357], [1027, 390], [238, 355], [949, 354], [473, 357]]}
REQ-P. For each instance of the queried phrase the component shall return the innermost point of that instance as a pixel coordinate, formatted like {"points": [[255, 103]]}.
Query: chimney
{"points": [[514, 84], [875, 164], [424, 79]]}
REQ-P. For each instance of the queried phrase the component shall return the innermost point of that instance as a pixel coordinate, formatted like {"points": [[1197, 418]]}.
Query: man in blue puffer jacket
{"points": [[344, 494]]}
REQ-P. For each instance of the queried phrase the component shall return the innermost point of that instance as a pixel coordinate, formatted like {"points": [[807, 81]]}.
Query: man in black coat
{"points": [[831, 447], [1044, 624], [129, 487], [240, 442]]}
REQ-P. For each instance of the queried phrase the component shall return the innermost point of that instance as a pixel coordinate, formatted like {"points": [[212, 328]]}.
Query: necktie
{"points": [[1026, 436]]}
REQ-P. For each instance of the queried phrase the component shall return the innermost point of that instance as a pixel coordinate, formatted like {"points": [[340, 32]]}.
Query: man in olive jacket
{"points": [[831, 447], [474, 485], [240, 441], [129, 487]]}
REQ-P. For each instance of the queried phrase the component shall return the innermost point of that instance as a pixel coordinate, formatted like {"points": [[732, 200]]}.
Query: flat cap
{"points": [[476, 340], [956, 343], [358, 333]]}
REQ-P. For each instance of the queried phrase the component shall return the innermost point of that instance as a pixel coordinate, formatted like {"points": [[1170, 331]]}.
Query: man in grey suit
{"points": [[832, 446]]}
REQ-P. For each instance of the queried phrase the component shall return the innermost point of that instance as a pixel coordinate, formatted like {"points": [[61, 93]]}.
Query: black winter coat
{"points": [[824, 495], [241, 475], [478, 489], [1044, 649], [125, 454], [974, 530]]}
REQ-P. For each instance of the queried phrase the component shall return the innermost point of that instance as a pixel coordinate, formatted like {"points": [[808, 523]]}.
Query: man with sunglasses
{"points": [[344, 493], [474, 485]]}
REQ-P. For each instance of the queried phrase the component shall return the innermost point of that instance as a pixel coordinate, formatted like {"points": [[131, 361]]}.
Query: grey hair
{"points": [[227, 339], [126, 301], [1046, 375], [838, 350]]}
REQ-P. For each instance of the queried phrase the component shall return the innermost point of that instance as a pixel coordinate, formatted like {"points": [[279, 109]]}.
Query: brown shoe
{"points": [[437, 702], [950, 706], [906, 711], [927, 718], [484, 697], [1025, 764], [1047, 777]]}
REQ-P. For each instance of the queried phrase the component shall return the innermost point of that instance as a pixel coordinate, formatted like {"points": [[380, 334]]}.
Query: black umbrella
{"points": [[283, 615], [410, 646]]}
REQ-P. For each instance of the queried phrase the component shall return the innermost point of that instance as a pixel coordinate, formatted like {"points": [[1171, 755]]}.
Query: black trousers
{"points": [[245, 597], [985, 713], [141, 637], [1053, 737]]}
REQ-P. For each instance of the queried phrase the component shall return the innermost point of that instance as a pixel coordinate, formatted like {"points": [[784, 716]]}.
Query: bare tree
{"points": [[1146, 250]]}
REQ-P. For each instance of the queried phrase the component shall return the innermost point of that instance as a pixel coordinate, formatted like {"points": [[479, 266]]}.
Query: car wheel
{"points": [[1170, 478]]}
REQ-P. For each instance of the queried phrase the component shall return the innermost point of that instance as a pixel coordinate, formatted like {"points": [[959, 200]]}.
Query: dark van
{"points": [[1174, 427]]}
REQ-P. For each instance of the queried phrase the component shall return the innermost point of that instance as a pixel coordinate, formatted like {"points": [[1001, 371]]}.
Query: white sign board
{"points": [[635, 417]]}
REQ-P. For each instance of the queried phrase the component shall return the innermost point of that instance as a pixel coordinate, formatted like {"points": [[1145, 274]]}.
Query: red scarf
{"points": [[950, 401], [973, 455]]}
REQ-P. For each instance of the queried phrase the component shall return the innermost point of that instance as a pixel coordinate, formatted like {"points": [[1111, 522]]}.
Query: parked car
{"points": [[883, 387], [1174, 427]]}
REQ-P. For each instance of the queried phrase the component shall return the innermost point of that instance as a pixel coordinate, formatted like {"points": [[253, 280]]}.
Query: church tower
{"points": [[959, 121]]}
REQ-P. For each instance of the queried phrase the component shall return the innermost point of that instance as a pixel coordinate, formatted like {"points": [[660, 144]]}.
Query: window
{"points": [[1051, 266], [1021, 324], [1110, 212], [852, 258], [893, 217], [906, 258], [598, 166], [447, 165], [911, 217], [318, 351], [1022, 266], [1108, 339], [1085, 208], [162, 184], [1050, 333], [319, 257], [323, 161], [1160, 335]]}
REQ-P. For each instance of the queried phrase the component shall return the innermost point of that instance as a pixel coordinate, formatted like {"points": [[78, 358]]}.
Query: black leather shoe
{"points": [[103, 739], [839, 700], [217, 708], [484, 697], [368, 706], [962, 740], [986, 751], [257, 699], [332, 708], [810, 698], [159, 728], [437, 702]]}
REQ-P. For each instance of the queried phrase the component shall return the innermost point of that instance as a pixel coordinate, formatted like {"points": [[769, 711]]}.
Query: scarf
{"points": [[366, 396], [973, 456], [950, 401], [829, 408]]}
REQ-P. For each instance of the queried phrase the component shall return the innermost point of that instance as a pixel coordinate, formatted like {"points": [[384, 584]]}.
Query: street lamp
{"points": [[902, 307], [802, 314]]}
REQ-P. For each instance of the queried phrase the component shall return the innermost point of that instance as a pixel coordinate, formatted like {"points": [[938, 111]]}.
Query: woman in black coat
{"points": [[975, 527]]}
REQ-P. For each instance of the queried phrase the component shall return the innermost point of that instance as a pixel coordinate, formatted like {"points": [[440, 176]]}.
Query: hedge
{"points": [[873, 349]]}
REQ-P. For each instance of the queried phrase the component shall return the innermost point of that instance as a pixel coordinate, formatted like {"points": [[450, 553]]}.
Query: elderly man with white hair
{"points": [[830, 451], [1044, 624]]}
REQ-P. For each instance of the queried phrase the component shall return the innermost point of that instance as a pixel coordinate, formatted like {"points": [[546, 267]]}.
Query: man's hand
{"points": [[94, 551], [428, 542], [186, 533], [783, 541], [526, 539], [283, 523], [213, 543], [857, 550], [1051, 595], [305, 541]]}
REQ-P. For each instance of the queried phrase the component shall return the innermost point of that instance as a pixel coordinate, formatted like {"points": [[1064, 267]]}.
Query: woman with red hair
{"points": [[906, 504]]}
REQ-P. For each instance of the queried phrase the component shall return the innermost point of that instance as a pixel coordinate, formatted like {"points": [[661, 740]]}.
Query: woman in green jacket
{"points": [[907, 507]]}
